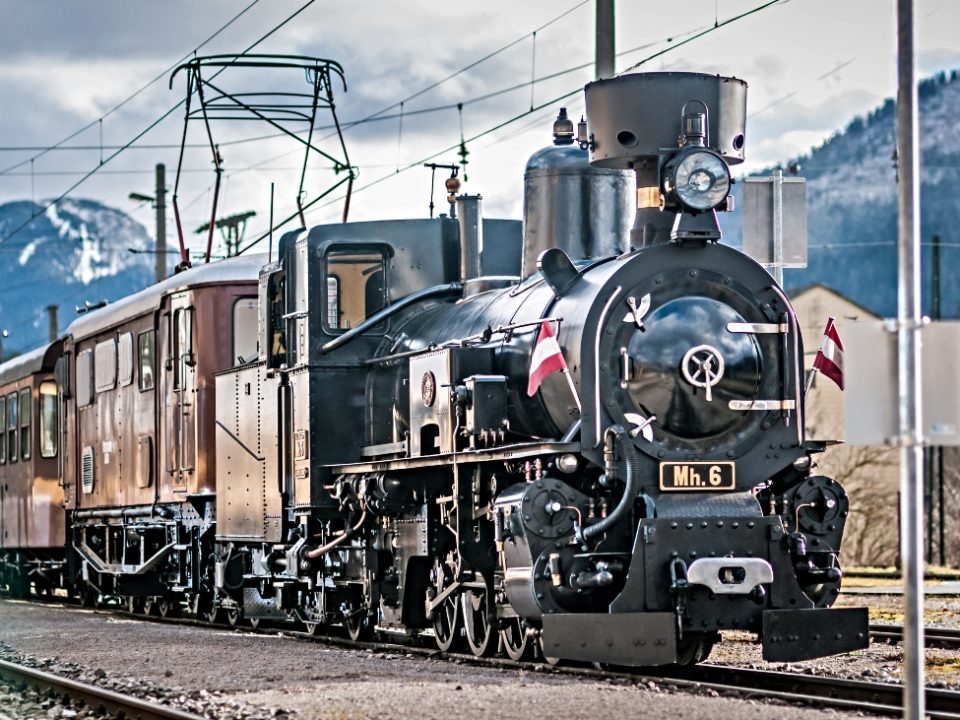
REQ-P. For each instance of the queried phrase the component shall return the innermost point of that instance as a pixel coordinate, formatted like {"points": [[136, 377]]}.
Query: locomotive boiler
{"points": [[386, 464]]}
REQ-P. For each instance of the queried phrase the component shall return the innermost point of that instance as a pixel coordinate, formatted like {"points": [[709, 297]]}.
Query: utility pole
{"points": [[936, 453], [159, 203], [606, 50], [233, 228], [160, 268], [909, 376], [53, 328]]}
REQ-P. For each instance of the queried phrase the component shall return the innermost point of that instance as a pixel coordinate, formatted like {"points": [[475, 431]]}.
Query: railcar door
{"points": [[180, 392]]}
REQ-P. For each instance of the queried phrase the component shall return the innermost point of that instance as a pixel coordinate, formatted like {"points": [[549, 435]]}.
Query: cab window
{"points": [[49, 419], [355, 287]]}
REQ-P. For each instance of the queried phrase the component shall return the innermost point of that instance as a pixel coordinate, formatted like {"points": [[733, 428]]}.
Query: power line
{"points": [[146, 130], [528, 112], [44, 151]]}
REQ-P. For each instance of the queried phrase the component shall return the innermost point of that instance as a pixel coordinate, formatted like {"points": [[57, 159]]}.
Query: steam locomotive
{"points": [[601, 459]]}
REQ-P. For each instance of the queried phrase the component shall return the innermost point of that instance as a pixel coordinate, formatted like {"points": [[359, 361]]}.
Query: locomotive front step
{"points": [[790, 635], [634, 639]]}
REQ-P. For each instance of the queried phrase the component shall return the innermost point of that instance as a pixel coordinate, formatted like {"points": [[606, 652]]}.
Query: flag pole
{"points": [[809, 384], [573, 389]]}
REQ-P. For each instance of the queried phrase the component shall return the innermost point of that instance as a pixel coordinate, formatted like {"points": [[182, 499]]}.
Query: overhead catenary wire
{"points": [[43, 151], [509, 121], [149, 127]]}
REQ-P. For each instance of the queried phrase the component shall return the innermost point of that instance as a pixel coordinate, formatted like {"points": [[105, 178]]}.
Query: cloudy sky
{"points": [[811, 65]]}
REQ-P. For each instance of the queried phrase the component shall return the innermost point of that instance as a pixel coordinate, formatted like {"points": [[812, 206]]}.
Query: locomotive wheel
{"points": [[255, 623], [134, 604], [232, 616], [516, 642], [359, 628], [549, 660], [168, 608], [151, 606], [481, 636], [212, 615], [693, 649], [313, 628], [447, 627]]}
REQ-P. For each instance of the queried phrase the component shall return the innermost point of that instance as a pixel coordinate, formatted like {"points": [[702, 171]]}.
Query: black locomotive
{"points": [[381, 466]]}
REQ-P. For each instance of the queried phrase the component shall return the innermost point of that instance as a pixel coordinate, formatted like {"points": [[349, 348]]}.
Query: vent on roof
{"points": [[86, 470]]}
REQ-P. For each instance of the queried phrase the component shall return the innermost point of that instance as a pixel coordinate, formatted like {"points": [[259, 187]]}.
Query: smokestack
{"points": [[470, 217]]}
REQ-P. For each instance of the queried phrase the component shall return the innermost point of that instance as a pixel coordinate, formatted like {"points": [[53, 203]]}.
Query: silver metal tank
{"points": [[586, 211]]}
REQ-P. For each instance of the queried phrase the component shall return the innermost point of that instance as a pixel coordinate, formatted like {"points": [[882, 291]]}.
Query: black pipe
{"points": [[391, 310], [629, 492]]}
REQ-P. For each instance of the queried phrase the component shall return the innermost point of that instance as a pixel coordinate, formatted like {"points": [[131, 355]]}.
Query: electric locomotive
{"points": [[430, 477]]}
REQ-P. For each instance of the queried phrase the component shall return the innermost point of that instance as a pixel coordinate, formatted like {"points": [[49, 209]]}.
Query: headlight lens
{"points": [[700, 179]]}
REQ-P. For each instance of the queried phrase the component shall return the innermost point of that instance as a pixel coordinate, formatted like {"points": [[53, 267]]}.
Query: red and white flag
{"points": [[829, 358], [547, 358]]}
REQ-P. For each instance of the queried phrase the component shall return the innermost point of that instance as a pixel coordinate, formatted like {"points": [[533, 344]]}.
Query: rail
{"points": [[101, 699]]}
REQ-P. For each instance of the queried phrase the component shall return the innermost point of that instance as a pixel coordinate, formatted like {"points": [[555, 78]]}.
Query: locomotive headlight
{"points": [[698, 179]]}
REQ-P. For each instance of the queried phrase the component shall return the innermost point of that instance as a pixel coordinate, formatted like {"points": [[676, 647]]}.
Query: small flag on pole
{"points": [[829, 360], [547, 358]]}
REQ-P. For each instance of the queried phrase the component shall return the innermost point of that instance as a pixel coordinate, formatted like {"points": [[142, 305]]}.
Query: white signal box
{"points": [[871, 398]]}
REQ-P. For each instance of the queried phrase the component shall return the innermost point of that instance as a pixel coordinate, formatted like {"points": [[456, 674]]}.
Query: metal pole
{"points": [[53, 324], [778, 226], [160, 268], [606, 50], [936, 454], [908, 336]]}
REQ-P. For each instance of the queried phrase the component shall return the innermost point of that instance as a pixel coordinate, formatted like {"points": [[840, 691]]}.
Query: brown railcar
{"points": [[139, 417], [32, 529]]}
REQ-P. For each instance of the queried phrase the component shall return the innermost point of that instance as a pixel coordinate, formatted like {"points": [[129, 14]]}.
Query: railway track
{"points": [[801, 689], [102, 700], [932, 636]]}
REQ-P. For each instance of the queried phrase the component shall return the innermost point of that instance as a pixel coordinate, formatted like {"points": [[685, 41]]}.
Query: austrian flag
{"points": [[547, 358], [829, 358]]}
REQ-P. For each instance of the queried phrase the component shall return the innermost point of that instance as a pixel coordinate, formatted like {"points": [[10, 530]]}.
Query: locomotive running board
{"points": [[790, 635], [634, 639]]}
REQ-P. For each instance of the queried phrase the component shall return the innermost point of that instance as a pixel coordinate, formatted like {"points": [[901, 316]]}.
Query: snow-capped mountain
{"points": [[76, 251], [852, 204]]}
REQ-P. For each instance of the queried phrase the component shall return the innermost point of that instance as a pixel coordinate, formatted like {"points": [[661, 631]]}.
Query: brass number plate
{"points": [[703, 476]]}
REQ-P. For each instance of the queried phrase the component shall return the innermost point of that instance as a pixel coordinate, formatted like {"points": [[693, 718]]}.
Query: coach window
{"points": [[244, 330], [355, 287], [49, 419], [3, 431], [145, 356], [85, 378], [12, 427], [105, 365], [26, 417], [125, 358], [182, 341]]}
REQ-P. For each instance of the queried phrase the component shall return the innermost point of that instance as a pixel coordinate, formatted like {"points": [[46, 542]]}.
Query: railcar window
{"points": [[125, 358], [105, 365], [84, 378], [276, 293], [182, 341], [49, 419], [145, 353], [3, 431], [12, 427], [244, 330], [26, 422], [355, 287]]}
